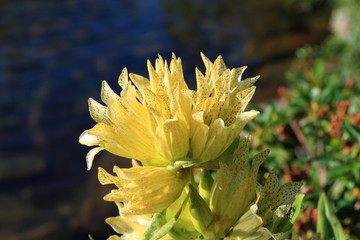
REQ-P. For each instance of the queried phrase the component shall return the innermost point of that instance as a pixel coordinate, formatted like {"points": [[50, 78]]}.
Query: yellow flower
{"points": [[145, 190], [273, 197], [148, 122], [131, 227], [264, 219], [218, 114], [249, 227], [160, 121], [234, 188]]}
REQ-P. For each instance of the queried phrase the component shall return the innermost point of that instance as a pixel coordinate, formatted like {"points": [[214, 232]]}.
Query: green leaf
{"points": [[327, 94], [297, 207], [323, 226], [90, 237], [319, 69], [354, 134], [286, 223], [327, 223]]}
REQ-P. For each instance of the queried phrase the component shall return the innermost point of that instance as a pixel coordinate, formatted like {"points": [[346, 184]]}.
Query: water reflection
{"points": [[54, 55]]}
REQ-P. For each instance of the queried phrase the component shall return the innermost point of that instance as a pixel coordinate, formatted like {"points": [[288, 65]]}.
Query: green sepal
{"points": [[201, 215], [159, 226], [205, 185], [183, 228]]}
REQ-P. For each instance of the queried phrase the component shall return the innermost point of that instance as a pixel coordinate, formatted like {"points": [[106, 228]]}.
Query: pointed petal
{"points": [[89, 139], [107, 94], [123, 78], [90, 156], [97, 111]]}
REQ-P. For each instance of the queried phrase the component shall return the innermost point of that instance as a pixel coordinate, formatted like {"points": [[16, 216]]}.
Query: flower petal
{"points": [[89, 139], [97, 111], [90, 156], [144, 189]]}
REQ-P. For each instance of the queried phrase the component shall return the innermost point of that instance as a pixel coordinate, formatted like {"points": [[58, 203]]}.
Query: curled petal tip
{"points": [[90, 156]]}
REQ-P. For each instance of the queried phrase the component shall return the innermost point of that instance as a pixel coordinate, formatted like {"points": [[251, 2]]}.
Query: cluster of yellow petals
{"points": [[147, 122], [218, 109], [159, 120], [131, 227], [145, 190]]}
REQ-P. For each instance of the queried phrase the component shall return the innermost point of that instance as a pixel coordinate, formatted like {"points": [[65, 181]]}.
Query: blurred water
{"points": [[53, 57]]}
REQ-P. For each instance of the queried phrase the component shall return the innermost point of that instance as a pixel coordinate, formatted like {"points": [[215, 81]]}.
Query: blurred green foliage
{"points": [[313, 129]]}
